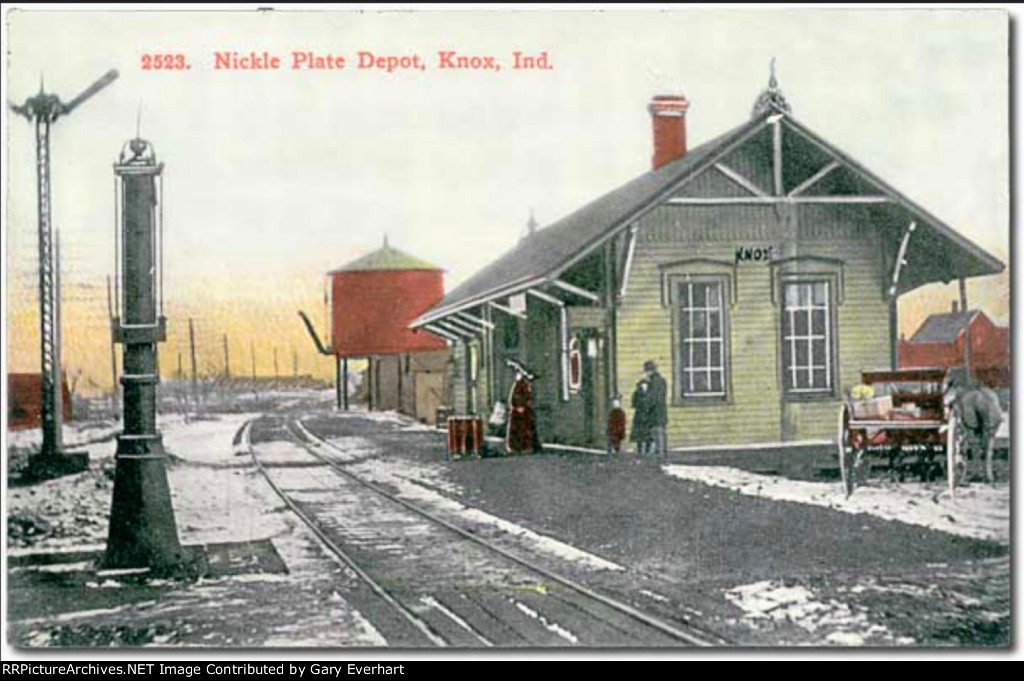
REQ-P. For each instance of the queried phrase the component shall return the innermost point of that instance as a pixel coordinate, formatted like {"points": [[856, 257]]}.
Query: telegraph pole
{"points": [[252, 354], [227, 363], [295, 363], [192, 351], [277, 374], [43, 110], [143, 532]]}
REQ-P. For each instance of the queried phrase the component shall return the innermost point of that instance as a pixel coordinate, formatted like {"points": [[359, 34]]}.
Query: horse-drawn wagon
{"points": [[906, 420]]}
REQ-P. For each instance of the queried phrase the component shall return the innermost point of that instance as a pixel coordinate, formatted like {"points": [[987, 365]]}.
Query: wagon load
{"points": [[902, 417]]}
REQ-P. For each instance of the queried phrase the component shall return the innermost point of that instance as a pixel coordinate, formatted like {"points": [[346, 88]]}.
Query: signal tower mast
{"points": [[43, 110]]}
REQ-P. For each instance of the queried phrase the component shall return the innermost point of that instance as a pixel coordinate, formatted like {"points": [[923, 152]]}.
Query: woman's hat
{"points": [[516, 366]]}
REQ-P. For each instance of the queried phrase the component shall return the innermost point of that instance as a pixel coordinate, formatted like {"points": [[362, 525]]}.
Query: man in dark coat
{"points": [[657, 411]]}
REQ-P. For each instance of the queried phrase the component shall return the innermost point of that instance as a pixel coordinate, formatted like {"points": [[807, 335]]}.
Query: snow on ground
{"points": [[979, 511], [202, 440], [217, 497], [216, 505], [394, 418], [75, 434], [775, 602]]}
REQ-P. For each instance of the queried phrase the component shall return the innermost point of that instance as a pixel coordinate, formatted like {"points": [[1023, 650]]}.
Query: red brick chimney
{"points": [[668, 118]]}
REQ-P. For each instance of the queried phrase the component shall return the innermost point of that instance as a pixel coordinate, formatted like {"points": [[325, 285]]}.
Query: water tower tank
{"points": [[373, 300]]}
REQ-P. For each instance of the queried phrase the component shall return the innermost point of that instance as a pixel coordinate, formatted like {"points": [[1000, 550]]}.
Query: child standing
{"points": [[616, 427]]}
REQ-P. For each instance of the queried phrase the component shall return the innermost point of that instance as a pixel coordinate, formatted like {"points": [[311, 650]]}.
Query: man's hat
{"points": [[649, 365]]}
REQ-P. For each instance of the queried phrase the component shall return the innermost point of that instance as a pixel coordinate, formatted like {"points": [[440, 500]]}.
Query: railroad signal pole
{"points": [[143, 532], [43, 110], [227, 363]]}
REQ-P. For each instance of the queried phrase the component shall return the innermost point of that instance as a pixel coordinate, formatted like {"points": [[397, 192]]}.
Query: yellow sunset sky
{"points": [[274, 178]]}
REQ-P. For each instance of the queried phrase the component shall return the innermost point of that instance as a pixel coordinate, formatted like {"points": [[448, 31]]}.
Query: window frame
{"points": [[786, 347], [676, 285]]}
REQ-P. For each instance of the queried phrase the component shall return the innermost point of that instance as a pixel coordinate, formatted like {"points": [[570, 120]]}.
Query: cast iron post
{"points": [[143, 532]]}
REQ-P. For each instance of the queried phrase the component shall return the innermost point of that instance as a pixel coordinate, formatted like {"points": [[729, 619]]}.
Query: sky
{"points": [[274, 177]]}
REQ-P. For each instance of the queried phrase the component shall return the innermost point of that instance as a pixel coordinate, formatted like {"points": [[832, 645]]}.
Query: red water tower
{"points": [[374, 299]]}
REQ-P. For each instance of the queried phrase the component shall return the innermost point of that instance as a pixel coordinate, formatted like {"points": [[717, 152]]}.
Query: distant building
{"points": [[25, 401], [941, 342], [373, 300], [761, 270]]}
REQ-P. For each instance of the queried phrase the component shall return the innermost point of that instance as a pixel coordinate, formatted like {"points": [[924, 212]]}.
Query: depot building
{"points": [[761, 271]]}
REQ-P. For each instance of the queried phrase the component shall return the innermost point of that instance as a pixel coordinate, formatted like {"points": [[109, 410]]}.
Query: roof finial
{"points": [[385, 240], [771, 99], [138, 122], [531, 224]]}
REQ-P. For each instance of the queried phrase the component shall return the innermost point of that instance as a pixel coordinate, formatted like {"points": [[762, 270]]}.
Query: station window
{"points": [[701, 339], [807, 336]]}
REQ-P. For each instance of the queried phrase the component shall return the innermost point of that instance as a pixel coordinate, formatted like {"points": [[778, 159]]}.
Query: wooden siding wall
{"points": [[755, 410]]}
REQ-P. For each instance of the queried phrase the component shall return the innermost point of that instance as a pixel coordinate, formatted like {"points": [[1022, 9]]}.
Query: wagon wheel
{"points": [[956, 464], [849, 455]]}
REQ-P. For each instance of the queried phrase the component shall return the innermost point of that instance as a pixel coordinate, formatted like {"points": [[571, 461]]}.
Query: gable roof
{"points": [[539, 258], [386, 258], [944, 327], [547, 250]]}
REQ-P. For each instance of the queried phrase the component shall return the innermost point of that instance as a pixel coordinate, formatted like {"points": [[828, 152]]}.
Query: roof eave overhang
{"points": [[988, 263], [439, 313]]}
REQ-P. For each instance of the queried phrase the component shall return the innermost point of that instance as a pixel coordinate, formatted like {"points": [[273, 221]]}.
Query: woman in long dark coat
{"points": [[521, 437], [640, 433]]}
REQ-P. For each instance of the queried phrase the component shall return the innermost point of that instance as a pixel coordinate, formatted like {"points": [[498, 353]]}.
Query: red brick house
{"points": [[940, 342]]}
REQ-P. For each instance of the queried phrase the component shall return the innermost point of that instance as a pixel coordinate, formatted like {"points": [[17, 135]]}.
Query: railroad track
{"points": [[584, 606]]}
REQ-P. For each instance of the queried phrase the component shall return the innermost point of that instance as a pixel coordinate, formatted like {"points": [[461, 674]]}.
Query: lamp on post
{"points": [[142, 532]]}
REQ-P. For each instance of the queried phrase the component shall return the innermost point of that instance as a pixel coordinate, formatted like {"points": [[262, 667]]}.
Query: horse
{"points": [[978, 412]]}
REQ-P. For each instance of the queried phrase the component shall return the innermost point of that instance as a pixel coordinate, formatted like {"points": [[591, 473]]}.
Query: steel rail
{"points": [[405, 612], [672, 631]]}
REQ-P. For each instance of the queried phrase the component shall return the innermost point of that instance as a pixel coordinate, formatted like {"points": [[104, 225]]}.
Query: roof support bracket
{"points": [[739, 179], [576, 290], [506, 309], [454, 330], [627, 263], [776, 123], [466, 327], [901, 260], [813, 179], [438, 331], [472, 319]]}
